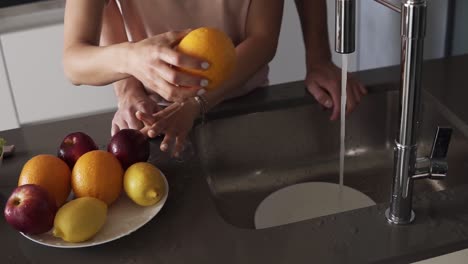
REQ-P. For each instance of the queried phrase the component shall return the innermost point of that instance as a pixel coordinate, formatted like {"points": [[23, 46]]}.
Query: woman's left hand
{"points": [[175, 122]]}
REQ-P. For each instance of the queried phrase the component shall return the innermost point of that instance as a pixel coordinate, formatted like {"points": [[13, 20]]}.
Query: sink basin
{"points": [[247, 157]]}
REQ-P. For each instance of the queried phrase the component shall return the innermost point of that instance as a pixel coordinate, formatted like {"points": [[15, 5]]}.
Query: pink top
{"points": [[146, 18]]}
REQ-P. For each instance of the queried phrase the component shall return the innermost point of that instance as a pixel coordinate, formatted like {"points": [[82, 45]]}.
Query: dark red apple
{"points": [[30, 209], [73, 146], [129, 146]]}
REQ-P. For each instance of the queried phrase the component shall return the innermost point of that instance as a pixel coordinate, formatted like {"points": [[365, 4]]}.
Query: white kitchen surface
{"points": [[40, 89]]}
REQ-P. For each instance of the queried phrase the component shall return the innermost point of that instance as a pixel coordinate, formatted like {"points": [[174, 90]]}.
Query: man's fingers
{"points": [[122, 124], [320, 95], [167, 142], [147, 107], [350, 101], [168, 111], [147, 119], [115, 128], [133, 122], [155, 124], [145, 130], [362, 88], [356, 92], [179, 145], [335, 93], [173, 93]]}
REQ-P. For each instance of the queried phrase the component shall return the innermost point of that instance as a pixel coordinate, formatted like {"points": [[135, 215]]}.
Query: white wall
{"points": [[289, 62], [460, 41], [8, 119], [377, 40]]}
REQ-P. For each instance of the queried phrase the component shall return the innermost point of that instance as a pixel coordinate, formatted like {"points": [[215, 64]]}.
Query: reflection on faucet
{"points": [[406, 166]]}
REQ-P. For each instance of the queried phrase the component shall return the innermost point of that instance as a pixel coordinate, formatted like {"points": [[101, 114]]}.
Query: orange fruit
{"points": [[98, 174], [213, 46], [49, 172]]}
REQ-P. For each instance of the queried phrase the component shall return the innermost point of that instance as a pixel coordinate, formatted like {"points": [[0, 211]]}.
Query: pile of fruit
{"points": [[42, 200]]}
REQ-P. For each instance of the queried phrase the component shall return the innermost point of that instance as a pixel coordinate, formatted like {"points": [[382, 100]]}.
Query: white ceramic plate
{"points": [[123, 218]]}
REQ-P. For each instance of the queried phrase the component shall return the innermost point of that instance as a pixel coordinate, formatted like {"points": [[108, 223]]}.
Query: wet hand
{"points": [[323, 81]]}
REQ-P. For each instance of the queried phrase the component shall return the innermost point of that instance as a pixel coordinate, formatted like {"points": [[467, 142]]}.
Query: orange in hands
{"points": [[215, 47]]}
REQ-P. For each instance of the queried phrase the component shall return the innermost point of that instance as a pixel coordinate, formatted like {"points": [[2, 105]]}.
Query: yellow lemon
{"points": [[80, 219], [144, 184], [214, 46]]}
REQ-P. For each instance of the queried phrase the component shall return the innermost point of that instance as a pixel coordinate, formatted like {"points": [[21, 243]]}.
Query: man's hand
{"points": [[131, 98], [175, 122], [323, 81]]}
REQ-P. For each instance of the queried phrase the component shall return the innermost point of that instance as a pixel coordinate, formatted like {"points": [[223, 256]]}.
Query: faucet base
{"points": [[398, 221]]}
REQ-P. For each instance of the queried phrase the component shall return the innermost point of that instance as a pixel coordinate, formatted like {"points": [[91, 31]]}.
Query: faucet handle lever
{"points": [[435, 166], [441, 143], [438, 157]]}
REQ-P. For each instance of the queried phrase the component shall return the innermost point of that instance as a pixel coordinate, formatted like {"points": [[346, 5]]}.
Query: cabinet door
{"points": [[40, 88], [8, 118]]}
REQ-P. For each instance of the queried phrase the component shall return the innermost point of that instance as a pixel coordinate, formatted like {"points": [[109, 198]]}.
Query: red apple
{"points": [[30, 209], [129, 146], [73, 146]]}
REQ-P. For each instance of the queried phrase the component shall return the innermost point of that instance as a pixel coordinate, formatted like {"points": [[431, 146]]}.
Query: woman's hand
{"points": [[175, 122], [152, 62], [323, 81]]}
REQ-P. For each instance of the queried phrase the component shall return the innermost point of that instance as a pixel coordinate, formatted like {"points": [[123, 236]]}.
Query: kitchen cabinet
{"points": [[8, 119], [39, 87]]}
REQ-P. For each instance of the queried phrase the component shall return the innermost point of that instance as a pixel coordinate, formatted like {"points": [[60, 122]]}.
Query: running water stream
{"points": [[344, 74]]}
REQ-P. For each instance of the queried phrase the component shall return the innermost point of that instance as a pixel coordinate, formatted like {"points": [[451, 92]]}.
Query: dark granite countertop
{"points": [[189, 229]]}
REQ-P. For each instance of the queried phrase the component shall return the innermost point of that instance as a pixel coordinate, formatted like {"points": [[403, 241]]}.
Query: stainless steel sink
{"points": [[247, 157]]}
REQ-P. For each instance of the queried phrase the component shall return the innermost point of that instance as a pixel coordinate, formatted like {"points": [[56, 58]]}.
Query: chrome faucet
{"points": [[407, 167]]}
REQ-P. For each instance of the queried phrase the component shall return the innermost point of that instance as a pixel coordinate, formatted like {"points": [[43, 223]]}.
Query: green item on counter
{"points": [[2, 143]]}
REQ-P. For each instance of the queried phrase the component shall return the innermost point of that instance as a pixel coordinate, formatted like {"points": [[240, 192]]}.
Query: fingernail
{"points": [[201, 92], [328, 103], [151, 134], [204, 83], [205, 65], [164, 147]]}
